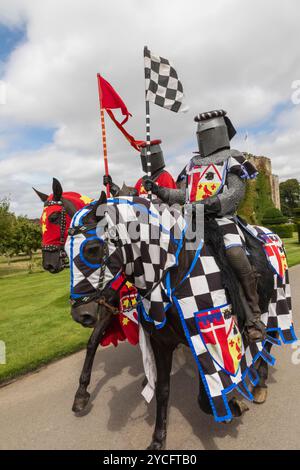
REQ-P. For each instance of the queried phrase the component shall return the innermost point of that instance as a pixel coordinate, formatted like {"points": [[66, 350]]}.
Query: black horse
{"points": [[97, 311]]}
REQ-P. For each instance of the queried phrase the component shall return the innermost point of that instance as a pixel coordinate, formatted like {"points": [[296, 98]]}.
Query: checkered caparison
{"points": [[147, 257]]}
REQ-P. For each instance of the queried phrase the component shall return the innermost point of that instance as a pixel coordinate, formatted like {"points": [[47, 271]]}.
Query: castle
{"points": [[264, 164]]}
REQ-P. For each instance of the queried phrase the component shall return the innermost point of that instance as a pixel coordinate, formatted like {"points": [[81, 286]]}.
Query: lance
{"points": [[148, 139], [104, 144]]}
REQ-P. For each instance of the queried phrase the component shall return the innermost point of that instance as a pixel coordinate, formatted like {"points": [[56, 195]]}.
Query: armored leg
{"points": [[254, 328]]}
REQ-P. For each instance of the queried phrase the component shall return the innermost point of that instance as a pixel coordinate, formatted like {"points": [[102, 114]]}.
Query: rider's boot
{"points": [[254, 327]]}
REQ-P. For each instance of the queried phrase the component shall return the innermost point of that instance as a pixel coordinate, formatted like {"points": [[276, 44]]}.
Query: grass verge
{"points": [[35, 322], [293, 250]]}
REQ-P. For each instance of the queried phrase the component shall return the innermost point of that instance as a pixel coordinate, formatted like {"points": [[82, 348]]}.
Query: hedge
{"points": [[295, 227], [283, 230], [296, 212], [278, 221], [273, 216]]}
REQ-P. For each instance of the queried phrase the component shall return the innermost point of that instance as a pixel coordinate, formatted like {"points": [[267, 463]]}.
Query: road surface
{"points": [[35, 411]]}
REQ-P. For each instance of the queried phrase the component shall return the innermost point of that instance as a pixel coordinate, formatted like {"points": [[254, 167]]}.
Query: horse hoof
{"points": [[238, 407], [156, 445], [260, 395], [80, 402]]}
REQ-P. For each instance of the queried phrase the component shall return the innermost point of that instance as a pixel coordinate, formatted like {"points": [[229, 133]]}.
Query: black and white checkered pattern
{"points": [[148, 257], [203, 290], [162, 84]]}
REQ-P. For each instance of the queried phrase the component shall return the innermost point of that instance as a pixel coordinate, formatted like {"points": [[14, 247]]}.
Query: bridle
{"points": [[98, 296], [62, 226]]}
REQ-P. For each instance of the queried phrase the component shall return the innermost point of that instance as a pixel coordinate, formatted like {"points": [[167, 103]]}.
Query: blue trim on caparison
{"points": [[272, 340], [141, 310], [188, 337], [268, 358], [193, 264], [281, 333], [253, 376], [71, 266]]}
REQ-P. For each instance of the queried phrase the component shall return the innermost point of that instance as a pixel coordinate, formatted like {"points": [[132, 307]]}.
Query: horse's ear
{"points": [[102, 200], [43, 197], [57, 190]]}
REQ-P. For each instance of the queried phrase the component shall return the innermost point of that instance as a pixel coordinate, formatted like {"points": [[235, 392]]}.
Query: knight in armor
{"points": [[159, 175], [216, 177]]}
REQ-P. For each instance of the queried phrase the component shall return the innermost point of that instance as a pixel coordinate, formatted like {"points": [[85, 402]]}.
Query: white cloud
{"points": [[241, 56]]}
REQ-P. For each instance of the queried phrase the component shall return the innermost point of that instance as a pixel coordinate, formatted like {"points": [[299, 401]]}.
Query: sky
{"points": [[239, 55]]}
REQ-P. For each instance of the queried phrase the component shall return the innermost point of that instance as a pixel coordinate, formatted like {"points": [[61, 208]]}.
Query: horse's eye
{"points": [[54, 218], [93, 252]]}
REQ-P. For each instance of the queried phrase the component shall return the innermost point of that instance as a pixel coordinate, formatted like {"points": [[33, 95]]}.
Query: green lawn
{"points": [[293, 250], [35, 321], [20, 264]]}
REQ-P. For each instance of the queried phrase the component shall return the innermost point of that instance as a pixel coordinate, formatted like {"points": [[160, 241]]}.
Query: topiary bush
{"points": [[295, 227], [296, 215], [282, 230], [273, 216]]}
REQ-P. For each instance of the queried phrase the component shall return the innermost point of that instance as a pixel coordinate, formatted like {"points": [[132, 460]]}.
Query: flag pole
{"points": [[103, 135], [148, 139]]}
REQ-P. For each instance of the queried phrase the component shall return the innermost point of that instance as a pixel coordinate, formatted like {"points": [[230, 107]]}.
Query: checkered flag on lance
{"points": [[162, 84]]}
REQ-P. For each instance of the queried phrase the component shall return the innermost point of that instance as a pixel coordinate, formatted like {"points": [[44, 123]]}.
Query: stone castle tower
{"points": [[264, 164]]}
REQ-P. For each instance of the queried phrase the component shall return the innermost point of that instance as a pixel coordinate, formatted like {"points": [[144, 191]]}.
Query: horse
{"points": [[59, 209], [97, 260]]}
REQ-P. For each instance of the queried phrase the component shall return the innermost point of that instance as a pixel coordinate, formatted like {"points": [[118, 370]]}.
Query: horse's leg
{"points": [[163, 360], [82, 396], [260, 391]]}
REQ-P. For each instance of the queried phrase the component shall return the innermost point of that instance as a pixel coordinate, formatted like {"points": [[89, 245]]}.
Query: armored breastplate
{"points": [[204, 181]]}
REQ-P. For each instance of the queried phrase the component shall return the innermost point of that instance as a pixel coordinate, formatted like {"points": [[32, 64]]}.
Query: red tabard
{"points": [[164, 179]]}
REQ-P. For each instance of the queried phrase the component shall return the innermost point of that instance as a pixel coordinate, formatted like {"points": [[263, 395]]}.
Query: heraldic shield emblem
{"points": [[274, 250], [205, 181], [221, 337]]}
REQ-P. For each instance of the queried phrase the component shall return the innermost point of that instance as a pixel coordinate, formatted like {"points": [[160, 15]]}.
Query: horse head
{"points": [[59, 208], [87, 248]]}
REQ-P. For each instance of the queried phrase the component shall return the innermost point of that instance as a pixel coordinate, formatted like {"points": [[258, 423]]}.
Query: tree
{"points": [[26, 237], [289, 196], [17, 234], [7, 221]]}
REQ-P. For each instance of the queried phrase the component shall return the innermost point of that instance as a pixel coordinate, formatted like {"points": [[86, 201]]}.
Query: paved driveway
{"points": [[35, 411]]}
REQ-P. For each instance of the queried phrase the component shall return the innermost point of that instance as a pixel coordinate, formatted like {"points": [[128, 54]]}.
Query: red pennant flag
{"points": [[109, 99]]}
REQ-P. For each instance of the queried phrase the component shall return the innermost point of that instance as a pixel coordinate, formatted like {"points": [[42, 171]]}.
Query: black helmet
{"points": [[214, 132], [156, 158]]}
